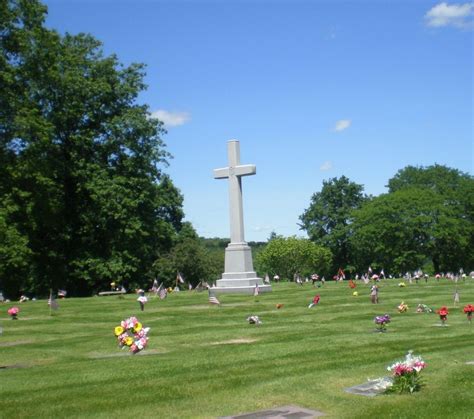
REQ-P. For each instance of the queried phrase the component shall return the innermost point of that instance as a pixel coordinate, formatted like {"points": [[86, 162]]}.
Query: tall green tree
{"points": [[328, 218], [287, 256], [80, 159], [426, 218], [453, 234]]}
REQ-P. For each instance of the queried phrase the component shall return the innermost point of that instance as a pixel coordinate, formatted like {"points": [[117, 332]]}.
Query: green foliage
{"points": [[286, 256], [14, 253], [191, 258], [406, 383], [425, 221], [79, 159], [328, 218]]}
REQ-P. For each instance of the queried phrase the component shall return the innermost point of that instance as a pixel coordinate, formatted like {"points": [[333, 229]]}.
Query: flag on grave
{"points": [[179, 278], [256, 290], [213, 300], [53, 304], [163, 293]]}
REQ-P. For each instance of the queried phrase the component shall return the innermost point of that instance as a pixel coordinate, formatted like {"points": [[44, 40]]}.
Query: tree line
{"points": [[425, 220]]}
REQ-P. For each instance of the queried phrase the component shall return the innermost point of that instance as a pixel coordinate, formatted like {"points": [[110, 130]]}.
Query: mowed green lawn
{"points": [[206, 361]]}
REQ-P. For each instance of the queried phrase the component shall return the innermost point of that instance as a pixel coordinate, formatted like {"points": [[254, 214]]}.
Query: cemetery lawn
{"points": [[206, 361]]}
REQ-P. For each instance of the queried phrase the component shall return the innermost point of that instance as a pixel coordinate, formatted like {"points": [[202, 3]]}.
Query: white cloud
{"points": [[444, 14], [171, 119], [342, 124], [327, 165]]}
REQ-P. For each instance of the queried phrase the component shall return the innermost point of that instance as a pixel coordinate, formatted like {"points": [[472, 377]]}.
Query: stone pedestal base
{"points": [[239, 276], [236, 286]]}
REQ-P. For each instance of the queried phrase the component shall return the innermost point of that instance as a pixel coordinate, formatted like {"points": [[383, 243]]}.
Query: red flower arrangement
{"points": [[352, 284], [469, 309], [443, 314]]}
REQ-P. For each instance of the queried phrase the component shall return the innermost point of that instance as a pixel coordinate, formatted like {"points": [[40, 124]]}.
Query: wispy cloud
{"points": [[171, 119], [443, 14], [327, 165], [342, 124]]}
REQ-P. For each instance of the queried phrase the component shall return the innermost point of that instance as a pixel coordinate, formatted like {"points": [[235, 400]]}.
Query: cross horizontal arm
{"points": [[221, 173], [245, 170]]}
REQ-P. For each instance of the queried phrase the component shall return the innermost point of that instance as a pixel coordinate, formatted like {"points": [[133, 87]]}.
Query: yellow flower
{"points": [[119, 330], [355, 293], [128, 341], [137, 327]]}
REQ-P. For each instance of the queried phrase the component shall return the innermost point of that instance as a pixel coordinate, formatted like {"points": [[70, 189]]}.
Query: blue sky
{"points": [[311, 89]]}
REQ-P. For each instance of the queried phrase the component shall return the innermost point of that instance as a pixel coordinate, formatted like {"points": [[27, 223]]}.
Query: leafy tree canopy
{"points": [[328, 218], [287, 256], [79, 160]]}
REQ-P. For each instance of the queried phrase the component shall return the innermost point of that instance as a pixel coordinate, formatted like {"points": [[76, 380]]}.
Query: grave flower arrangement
{"points": [[423, 308], [254, 320], [13, 312], [406, 374], [469, 309], [381, 322], [443, 314], [403, 308], [132, 335], [402, 284]]}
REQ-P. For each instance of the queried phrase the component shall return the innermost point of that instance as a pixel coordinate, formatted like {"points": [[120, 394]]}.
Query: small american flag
{"points": [[180, 278], [52, 302], [213, 300], [163, 293], [256, 290]]}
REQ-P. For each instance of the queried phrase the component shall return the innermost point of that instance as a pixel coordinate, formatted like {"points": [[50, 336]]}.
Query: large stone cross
{"points": [[234, 173], [239, 276]]}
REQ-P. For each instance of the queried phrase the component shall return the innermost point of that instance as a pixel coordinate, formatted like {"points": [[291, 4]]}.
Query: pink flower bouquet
{"points": [[13, 312]]}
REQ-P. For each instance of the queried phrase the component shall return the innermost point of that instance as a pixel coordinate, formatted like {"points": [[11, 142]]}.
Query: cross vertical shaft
{"points": [[234, 172]]}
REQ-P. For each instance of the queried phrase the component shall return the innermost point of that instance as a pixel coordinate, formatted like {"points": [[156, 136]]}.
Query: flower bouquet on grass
{"points": [[423, 308], [381, 322], [469, 309], [254, 320], [13, 312], [131, 334], [403, 308], [443, 315], [402, 284], [406, 374]]}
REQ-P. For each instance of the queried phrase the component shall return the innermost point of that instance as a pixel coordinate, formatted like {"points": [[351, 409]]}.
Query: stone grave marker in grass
{"points": [[371, 388], [294, 412]]}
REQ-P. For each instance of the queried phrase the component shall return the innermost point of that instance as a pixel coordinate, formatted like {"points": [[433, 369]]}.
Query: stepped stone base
{"points": [[239, 286]]}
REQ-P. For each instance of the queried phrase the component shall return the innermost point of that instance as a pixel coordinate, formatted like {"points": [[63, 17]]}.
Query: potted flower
{"points": [[469, 309], [381, 322], [443, 315], [406, 374], [13, 312]]}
